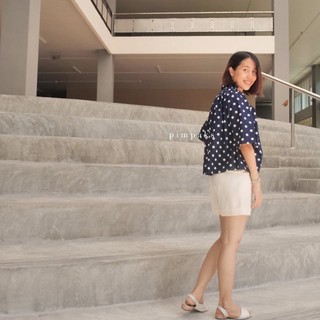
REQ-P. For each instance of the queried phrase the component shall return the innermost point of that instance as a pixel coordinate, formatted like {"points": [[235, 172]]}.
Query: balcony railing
{"points": [[227, 23], [105, 13], [186, 23]]}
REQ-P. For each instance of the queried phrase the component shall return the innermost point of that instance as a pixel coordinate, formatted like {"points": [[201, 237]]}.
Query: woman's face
{"points": [[244, 75]]}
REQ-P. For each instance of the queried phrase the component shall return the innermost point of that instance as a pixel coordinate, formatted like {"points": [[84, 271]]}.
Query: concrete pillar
{"points": [[316, 89], [281, 59], [105, 79], [19, 47]]}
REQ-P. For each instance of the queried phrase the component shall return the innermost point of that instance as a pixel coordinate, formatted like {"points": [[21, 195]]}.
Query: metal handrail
{"points": [[292, 86], [292, 89]]}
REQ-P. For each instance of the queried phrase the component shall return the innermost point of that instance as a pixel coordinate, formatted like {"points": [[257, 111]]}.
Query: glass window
{"points": [[303, 101]]}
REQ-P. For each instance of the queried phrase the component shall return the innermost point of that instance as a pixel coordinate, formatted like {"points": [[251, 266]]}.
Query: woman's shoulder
{"points": [[232, 94], [231, 91]]}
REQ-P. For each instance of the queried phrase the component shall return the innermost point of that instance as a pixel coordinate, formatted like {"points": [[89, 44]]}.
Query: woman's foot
{"points": [[237, 313], [192, 304]]}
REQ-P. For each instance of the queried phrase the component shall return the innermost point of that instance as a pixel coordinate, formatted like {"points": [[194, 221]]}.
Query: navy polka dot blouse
{"points": [[231, 122]]}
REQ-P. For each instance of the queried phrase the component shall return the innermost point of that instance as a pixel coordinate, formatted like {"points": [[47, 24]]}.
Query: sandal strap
{"points": [[201, 307], [223, 311], [194, 299], [244, 313]]}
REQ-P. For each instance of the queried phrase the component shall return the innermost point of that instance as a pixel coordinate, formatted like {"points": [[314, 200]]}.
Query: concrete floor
{"points": [[294, 300]]}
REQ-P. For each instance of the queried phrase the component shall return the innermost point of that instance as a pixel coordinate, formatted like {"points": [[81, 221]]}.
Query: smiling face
{"points": [[244, 75]]}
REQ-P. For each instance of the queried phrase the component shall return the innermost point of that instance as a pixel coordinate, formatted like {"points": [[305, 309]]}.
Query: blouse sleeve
{"points": [[242, 120], [206, 130], [204, 133]]}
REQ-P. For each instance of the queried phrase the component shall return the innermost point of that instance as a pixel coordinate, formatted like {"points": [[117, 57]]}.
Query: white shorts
{"points": [[230, 193]]}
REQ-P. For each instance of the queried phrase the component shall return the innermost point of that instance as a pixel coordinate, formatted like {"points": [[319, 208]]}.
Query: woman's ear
{"points": [[231, 71]]}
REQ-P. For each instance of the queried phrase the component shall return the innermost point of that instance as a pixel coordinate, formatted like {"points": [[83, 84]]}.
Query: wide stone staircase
{"points": [[104, 205]]}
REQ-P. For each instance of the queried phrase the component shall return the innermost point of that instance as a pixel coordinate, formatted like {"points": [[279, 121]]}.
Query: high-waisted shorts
{"points": [[230, 193]]}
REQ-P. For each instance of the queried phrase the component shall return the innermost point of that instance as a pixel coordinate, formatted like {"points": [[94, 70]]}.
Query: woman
{"points": [[232, 159]]}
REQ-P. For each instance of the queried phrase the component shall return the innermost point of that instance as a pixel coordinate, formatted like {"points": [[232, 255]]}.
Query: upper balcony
{"points": [[185, 32], [193, 23]]}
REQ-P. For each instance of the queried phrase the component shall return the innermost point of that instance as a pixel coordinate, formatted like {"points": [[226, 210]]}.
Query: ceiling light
{"points": [[76, 69], [43, 40]]}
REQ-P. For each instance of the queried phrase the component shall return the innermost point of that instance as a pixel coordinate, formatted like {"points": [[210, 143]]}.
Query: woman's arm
{"points": [[249, 156]]}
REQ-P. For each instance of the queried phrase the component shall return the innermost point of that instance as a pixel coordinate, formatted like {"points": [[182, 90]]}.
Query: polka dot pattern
{"points": [[231, 122]]}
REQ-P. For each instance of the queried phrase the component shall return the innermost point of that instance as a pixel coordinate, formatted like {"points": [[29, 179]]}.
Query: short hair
{"points": [[234, 61]]}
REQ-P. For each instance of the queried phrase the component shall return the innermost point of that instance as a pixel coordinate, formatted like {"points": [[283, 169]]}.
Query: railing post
{"points": [[292, 117], [113, 21]]}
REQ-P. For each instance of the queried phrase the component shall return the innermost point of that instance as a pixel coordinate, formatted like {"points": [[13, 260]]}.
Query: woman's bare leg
{"points": [[232, 228], [207, 271]]}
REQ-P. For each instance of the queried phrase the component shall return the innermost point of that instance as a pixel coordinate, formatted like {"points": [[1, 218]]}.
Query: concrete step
{"points": [[291, 152], [119, 151], [53, 125], [289, 161], [308, 185], [283, 139], [94, 109], [42, 276], [107, 151], [74, 178], [21, 177], [59, 126], [289, 300], [89, 109], [117, 186], [31, 218]]}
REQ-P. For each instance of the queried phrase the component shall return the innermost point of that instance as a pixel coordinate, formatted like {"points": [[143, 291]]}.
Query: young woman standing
{"points": [[232, 159]]}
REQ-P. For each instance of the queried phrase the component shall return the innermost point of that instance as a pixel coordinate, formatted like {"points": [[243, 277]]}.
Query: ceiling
{"points": [[71, 45], [128, 6], [68, 47]]}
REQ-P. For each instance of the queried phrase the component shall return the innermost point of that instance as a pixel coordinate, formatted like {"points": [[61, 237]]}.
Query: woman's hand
{"points": [[257, 195], [248, 154]]}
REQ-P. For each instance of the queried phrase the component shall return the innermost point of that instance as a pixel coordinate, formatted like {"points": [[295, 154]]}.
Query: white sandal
{"points": [[200, 307], [245, 314]]}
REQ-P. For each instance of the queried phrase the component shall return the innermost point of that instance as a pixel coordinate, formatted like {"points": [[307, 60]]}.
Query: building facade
{"points": [[137, 53]]}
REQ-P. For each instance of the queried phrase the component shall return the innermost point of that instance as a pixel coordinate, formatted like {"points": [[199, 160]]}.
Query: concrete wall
{"points": [[82, 91], [193, 99]]}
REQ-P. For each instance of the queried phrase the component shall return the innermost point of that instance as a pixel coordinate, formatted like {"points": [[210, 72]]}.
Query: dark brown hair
{"points": [[234, 62]]}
